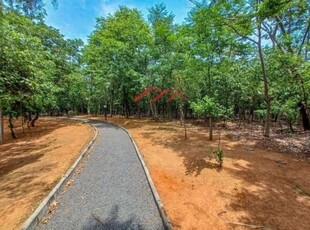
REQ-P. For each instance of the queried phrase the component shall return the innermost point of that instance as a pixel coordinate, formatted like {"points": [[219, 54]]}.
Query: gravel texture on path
{"points": [[111, 192]]}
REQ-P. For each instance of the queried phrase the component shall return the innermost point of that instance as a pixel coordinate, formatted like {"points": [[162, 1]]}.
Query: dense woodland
{"points": [[230, 59]]}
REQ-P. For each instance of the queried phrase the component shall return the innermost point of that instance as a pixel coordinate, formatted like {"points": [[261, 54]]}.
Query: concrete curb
{"points": [[34, 219], [159, 204]]}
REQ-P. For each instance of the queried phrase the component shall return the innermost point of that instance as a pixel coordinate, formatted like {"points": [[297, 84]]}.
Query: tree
{"points": [[23, 65], [288, 28], [117, 56], [209, 108], [160, 69], [243, 18], [34, 61], [34, 9]]}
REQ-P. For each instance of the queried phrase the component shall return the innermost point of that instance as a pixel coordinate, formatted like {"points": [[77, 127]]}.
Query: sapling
{"points": [[218, 153]]}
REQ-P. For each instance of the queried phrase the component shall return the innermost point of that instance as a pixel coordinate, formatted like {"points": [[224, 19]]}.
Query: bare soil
{"points": [[257, 187], [32, 165]]}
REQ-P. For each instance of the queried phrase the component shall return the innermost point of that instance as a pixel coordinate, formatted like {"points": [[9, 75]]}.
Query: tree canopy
{"points": [[245, 60]]}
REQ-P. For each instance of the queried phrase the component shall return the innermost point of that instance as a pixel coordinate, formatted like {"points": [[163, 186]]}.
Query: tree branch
{"points": [[304, 38], [241, 35], [272, 36], [281, 26]]}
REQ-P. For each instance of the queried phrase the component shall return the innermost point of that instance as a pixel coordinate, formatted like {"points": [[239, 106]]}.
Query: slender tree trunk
{"points": [[128, 107], [99, 110], [28, 120], [12, 127], [291, 126], [211, 129], [176, 114], [153, 111], [34, 119], [182, 118], [181, 108], [209, 79], [279, 121], [88, 108], [266, 87], [139, 110], [111, 105], [23, 120], [1, 124]]}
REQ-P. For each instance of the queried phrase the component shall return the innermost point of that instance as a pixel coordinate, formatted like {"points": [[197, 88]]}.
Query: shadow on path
{"points": [[113, 222]]}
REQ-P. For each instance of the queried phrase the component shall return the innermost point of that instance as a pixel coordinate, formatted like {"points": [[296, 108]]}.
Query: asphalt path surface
{"points": [[111, 192]]}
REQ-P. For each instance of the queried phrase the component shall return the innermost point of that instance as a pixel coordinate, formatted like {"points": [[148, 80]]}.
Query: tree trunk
{"points": [[290, 124], [1, 124], [28, 120], [266, 88], [181, 108], [23, 120], [209, 79], [99, 110], [33, 120], [127, 109], [111, 106], [153, 111], [88, 108], [12, 127], [139, 110], [304, 116], [211, 129]]}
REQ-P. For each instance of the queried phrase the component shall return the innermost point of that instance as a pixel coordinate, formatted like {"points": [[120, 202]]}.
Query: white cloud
{"points": [[107, 7]]}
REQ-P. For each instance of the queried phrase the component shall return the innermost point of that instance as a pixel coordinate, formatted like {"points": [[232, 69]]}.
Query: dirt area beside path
{"points": [[32, 165], [256, 187]]}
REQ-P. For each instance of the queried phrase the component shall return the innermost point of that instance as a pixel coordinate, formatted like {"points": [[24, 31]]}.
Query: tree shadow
{"points": [[113, 222], [196, 151], [194, 165], [15, 182], [26, 149], [269, 196], [42, 128], [20, 168], [255, 188], [17, 155]]}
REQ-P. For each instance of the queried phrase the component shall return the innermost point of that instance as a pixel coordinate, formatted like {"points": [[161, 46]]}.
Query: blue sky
{"points": [[76, 18]]}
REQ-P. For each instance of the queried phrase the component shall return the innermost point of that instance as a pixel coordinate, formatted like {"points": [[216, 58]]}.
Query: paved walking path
{"points": [[111, 192]]}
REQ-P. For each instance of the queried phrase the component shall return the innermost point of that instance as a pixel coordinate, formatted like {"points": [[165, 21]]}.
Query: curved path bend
{"points": [[111, 192]]}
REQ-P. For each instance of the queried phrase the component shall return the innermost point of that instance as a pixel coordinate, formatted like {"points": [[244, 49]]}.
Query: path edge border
{"points": [[41, 210], [159, 203]]}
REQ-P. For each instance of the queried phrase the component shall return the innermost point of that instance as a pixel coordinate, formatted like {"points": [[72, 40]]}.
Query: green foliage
{"points": [[207, 107], [260, 113], [212, 59], [219, 156], [117, 57], [36, 64], [290, 111]]}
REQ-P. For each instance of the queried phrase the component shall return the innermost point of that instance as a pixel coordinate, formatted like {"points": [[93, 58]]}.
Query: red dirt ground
{"points": [[256, 187], [31, 165]]}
